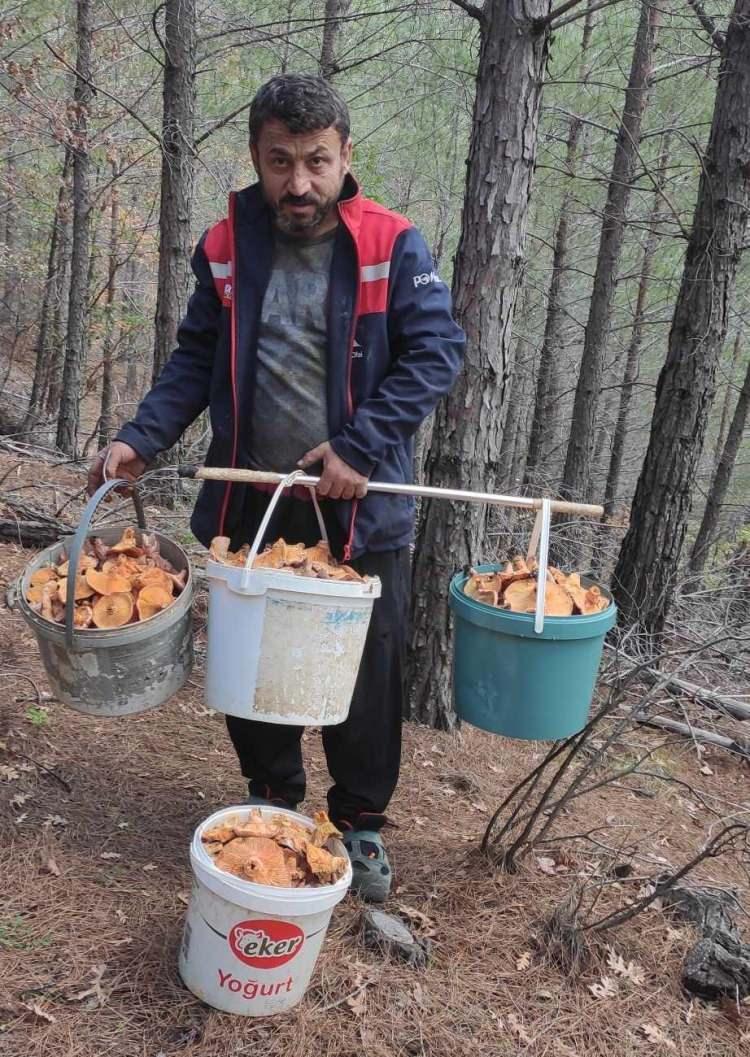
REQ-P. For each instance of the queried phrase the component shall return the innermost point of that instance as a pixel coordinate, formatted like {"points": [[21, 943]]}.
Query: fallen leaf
{"points": [[424, 923], [183, 897], [655, 1034], [19, 799], [547, 865], [519, 1029], [55, 820], [110, 855], [150, 866], [689, 1013], [94, 992], [36, 1009], [705, 769], [121, 915], [627, 970], [51, 867], [8, 773], [605, 988], [523, 962], [357, 1002]]}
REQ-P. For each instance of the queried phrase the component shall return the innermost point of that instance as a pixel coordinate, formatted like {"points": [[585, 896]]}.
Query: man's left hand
{"points": [[338, 480]]}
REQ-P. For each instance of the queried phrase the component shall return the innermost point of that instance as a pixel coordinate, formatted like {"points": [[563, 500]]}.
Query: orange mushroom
{"points": [[83, 589], [86, 561], [127, 544], [112, 611], [520, 596], [107, 583], [123, 566], [152, 599], [153, 578], [42, 576]]}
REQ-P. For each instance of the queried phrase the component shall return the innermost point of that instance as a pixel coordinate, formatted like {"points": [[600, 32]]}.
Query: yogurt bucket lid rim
{"points": [[284, 580]]}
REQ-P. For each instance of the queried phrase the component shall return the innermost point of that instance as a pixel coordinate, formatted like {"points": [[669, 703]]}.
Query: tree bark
{"points": [[546, 408], [646, 571], [720, 484], [576, 482], [465, 446], [334, 12], [106, 423], [59, 322], [633, 357], [727, 404], [177, 175], [75, 342], [9, 299], [51, 292]]}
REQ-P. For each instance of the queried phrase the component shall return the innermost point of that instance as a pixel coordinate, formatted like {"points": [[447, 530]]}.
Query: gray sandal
{"points": [[371, 869]]}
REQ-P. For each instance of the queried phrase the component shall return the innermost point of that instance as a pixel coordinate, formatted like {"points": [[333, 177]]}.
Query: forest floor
{"points": [[96, 878]]}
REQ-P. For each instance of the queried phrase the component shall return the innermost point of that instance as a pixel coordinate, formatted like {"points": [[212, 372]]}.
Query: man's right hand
{"points": [[121, 461]]}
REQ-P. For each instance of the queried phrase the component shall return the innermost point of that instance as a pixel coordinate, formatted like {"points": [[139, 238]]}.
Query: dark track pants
{"points": [[364, 752]]}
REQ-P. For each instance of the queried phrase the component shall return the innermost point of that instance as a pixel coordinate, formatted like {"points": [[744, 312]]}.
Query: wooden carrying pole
{"points": [[557, 506]]}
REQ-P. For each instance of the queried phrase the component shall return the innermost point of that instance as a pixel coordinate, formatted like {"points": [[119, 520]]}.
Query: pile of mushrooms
{"points": [[115, 585], [514, 587]]}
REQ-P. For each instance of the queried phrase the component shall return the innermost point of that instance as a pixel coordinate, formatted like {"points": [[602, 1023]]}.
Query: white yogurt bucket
{"points": [[248, 948]]}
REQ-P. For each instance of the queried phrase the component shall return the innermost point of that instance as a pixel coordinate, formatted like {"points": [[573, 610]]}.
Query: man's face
{"points": [[301, 176]]}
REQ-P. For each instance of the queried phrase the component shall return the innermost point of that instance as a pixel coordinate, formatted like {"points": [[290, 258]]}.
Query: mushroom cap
{"points": [[107, 583], [83, 589], [113, 611], [152, 599]]}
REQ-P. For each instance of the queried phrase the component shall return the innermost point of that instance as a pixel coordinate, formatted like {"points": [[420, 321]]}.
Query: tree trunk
{"points": [[177, 173], [720, 484], [548, 376], [465, 446], [335, 11], [636, 340], [9, 299], [576, 480], [106, 423], [59, 322], [51, 290], [645, 574], [727, 404], [75, 341]]}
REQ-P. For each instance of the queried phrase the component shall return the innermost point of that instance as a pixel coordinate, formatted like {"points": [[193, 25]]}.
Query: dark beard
{"points": [[292, 225]]}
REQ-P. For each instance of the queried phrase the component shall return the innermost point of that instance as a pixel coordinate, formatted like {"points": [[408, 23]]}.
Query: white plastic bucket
{"points": [[283, 648], [248, 948]]}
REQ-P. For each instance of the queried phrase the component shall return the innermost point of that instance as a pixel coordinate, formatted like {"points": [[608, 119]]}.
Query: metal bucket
{"points": [[125, 670]]}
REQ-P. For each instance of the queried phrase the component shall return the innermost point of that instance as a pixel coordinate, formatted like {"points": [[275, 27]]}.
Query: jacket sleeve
{"points": [[182, 389], [426, 347]]}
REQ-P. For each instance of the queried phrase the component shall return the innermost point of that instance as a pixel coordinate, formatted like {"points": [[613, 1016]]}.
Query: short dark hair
{"points": [[302, 101]]}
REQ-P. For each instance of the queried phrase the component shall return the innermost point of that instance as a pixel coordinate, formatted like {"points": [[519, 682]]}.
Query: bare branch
{"points": [[472, 9], [708, 24]]}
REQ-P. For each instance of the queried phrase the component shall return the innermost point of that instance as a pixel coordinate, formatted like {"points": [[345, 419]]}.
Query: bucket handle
{"points": [[540, 539], [287, 482], [72, 640]]}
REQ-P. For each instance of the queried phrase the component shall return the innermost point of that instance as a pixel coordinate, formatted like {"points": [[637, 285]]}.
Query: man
{"points": [[319, 337]]}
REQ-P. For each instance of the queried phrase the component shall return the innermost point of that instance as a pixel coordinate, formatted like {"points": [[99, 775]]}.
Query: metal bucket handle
{"points": [[282, 485], [73, 640]]}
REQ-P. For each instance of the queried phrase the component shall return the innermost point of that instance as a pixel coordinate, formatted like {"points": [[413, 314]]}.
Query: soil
{"points": [[97, 816]]}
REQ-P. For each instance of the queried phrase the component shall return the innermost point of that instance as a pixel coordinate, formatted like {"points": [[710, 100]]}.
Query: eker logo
{"points": [[425, 279], [266, 944]]}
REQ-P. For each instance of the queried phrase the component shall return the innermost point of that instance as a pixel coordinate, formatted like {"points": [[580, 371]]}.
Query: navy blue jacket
{"points": [[393, 351]]}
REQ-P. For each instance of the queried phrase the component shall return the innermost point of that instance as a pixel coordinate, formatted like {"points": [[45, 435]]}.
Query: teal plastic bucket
{"points": [[509, 680]]}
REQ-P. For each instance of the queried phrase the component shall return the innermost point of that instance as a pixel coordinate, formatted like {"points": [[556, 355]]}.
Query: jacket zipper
{"points": [[349, 394], [232, 359]]}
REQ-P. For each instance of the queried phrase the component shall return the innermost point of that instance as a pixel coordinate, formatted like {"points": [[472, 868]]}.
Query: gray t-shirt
{"points": [[290, 414]]}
